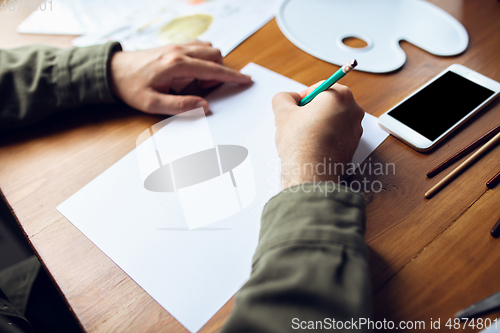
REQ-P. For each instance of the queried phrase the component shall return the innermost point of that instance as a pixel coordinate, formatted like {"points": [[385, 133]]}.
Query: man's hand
{"points": [[143, 79], [328, 129]]}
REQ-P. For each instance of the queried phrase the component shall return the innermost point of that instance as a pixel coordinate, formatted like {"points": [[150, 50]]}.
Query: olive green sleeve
{"points": [[310, 266], [37, 81]]}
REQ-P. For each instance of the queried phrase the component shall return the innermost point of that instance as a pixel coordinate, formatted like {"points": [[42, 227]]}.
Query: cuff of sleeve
{"points": [[313, 214], [82, 75]]}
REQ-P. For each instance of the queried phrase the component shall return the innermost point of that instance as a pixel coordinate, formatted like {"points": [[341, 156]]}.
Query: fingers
{"points": [[158, 103], [197, 49], [336, 86], [204, 52], [208, 84], [340, 99], [285, 101], [207, 71], [310, 89]]}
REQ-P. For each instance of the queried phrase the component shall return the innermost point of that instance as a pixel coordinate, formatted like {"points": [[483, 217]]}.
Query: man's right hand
{"points": [[327, 129]]}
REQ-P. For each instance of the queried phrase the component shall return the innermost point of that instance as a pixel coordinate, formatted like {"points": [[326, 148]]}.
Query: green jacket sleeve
{"points": [[310, 268], [36, 81]]}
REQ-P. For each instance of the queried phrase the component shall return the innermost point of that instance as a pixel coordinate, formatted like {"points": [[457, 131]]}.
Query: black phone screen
{"points": [[440, 105]]}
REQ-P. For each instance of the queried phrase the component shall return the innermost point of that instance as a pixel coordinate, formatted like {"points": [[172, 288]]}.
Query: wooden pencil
{"points": [[462, 166], [463, 152], [495, 232], [493, 181]]}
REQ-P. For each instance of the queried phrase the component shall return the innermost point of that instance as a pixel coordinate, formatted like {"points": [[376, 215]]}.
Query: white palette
{"points": [[319, 26]]}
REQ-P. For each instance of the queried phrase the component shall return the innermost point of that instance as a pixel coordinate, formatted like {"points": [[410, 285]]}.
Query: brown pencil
{"points": [[493, 181], [463, 152], [495, 232], [462, 166]]}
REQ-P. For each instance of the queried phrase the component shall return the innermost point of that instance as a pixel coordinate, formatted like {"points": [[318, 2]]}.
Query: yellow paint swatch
{"points": [[185, 28]]}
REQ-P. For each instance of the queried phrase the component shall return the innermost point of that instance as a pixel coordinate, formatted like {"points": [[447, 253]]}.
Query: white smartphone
{"points": [[439, 107]]}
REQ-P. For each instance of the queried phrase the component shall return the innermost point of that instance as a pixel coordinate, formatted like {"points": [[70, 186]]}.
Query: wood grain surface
{"points": [[428, 258]]}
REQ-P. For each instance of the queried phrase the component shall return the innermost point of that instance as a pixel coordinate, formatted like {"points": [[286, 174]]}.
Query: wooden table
{"points": [[428, 258]]}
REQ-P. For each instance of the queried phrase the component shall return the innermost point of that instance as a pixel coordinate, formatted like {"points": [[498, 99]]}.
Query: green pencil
{"points": [[330, 82]]}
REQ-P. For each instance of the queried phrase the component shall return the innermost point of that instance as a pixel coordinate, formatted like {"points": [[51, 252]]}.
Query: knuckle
{"points": [[177, 58], [183, 104], [149, 103], [345, 93], [174, 58], [360, 131], [359, 112], [177, 48], [277, 98]]}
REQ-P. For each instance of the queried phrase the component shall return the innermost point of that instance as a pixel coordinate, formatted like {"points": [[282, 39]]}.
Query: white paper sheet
{"points": [[142, 25], [193, 273]]}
